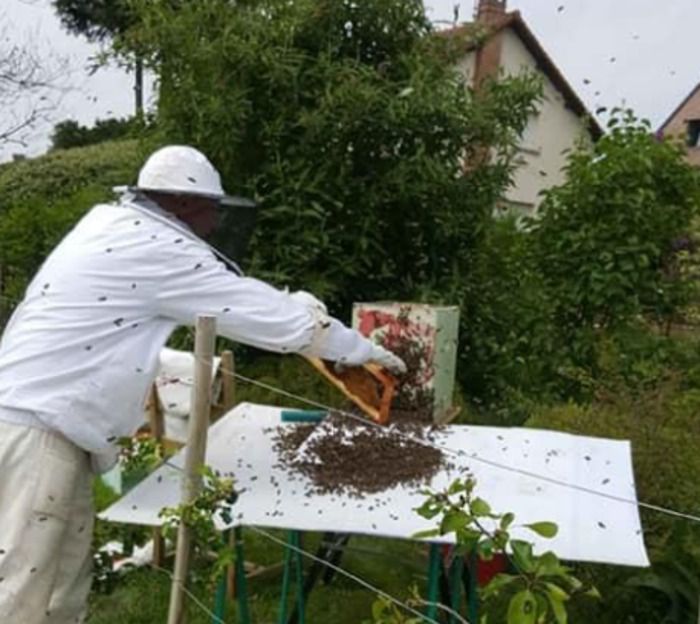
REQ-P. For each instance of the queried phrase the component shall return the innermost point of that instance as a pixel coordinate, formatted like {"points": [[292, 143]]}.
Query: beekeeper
{"points": [[81, 351]]}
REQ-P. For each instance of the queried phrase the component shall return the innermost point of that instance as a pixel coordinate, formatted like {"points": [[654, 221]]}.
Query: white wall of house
{"points": [[467, 66], [555, 129]]}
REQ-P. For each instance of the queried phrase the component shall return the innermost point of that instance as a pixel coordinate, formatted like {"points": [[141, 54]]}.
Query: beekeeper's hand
{"points": [[308, 300], [386, 359]]}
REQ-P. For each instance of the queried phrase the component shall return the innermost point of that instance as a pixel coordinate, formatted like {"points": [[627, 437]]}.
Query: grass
{"points": [[141, 597], [394, 566]]}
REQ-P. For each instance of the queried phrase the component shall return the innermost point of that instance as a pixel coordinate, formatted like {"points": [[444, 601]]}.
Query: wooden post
{"points": [[195, 452], [157, 425], [228, 381]]}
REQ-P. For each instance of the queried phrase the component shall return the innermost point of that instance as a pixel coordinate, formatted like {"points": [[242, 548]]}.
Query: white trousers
{"points": [[46, 518]]}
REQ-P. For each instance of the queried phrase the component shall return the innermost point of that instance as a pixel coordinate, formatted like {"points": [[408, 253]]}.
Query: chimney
{"points": [[489, 14]]}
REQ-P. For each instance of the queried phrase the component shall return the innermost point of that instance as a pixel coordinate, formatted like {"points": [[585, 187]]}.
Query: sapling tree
{"points": [[213, 502], [538, 586]]}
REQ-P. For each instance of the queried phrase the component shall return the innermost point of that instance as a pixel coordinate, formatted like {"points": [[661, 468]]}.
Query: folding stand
{"points": [[457, 575], [240, 583]]}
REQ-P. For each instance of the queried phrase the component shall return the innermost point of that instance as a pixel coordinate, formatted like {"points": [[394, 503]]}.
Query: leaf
{"points": [[522, 555], [557, 591], [485, 549], [558, 608], [480, 508], [522, 608], [429, 509], [456, 487], [454, 520], [548, 565], [506, 520], [544, 529], [426, 534], [378, 607], [498, 582], [593, 593]]}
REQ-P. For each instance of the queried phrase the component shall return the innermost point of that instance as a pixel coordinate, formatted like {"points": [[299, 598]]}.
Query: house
{"points": [[684, 123], [500, 42]]}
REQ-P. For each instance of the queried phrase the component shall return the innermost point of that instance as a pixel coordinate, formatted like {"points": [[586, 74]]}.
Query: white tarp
{"points": [[591, 527], [174, 383]]}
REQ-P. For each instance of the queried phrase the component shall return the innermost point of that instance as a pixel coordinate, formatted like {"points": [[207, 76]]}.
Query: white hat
{"points": [[183, 170]]}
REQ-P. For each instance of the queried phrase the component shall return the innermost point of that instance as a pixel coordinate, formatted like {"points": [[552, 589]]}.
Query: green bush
{"points": [[69, 133], [654, 403], [510, 361], [662, 426], [607, 240], [61, 173], [42, 198]]}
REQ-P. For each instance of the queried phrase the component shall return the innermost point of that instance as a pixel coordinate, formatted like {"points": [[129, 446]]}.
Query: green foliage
{"points": [[104, 579], [660, 419], [649, 393], [60, 174], [138, 456], [510, 359], [30, 231], [384, 611], [214, 500], [605, 239], [347, 123], [41, 199], [540, 585], [70, 133], [675, 577], [97, 20]]}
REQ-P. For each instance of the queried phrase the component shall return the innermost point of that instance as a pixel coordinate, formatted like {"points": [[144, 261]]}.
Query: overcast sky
{"points": [[638, 52]]}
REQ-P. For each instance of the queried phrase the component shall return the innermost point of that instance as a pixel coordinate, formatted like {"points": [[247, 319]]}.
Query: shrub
{"points": [[59, 174], [42, 198], [69, 133], [607, 240], [655, 405]]}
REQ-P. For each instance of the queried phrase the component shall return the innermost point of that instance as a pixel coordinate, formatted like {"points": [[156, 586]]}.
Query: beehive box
{"points": [[425, 336]]}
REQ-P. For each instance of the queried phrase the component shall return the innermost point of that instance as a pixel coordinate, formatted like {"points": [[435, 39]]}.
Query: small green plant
{"points": [[137, 457], [215, 499], [384, 611], [539, 586]]}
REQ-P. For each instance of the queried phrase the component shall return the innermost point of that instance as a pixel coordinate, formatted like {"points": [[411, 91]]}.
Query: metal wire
{"points": [[189, 594], [358, 579], [334, 567], [533, 475]]}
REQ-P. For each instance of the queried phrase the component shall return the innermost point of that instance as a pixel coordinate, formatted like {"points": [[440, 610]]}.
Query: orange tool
{"points": [[368, 386]]}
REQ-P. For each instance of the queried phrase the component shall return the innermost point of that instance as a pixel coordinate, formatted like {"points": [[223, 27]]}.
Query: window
{"points": [[529, 142], [694, 133]]}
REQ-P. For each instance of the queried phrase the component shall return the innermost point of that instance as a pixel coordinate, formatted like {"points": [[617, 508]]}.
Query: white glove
{"points": [[308, 300], [388, 360]]}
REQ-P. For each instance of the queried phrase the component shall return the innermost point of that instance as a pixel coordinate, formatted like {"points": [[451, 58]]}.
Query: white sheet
{"points": [[591, 528], [174, 382]]}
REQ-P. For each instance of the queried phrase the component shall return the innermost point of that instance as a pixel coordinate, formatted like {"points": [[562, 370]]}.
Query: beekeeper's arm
{"points": [[254, 313]]}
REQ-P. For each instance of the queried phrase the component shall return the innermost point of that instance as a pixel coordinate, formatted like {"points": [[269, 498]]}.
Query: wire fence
{"points": [[460, 453], [6, 304]]}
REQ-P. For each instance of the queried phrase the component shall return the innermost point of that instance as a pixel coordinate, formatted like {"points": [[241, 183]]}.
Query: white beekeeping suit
{"points": [[81, 351]]}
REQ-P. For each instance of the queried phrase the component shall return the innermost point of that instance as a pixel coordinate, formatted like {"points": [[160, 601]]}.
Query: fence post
{"points": [[195, 452]]}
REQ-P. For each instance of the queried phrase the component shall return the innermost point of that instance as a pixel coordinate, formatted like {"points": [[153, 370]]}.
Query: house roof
{"points": [[678, 108], [544, 62]]}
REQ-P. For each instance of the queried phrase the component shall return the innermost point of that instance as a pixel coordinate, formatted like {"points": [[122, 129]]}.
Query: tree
{"points": [[348, 123], [99, 20], [607, 241], [70, 133], [27, 89]]}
